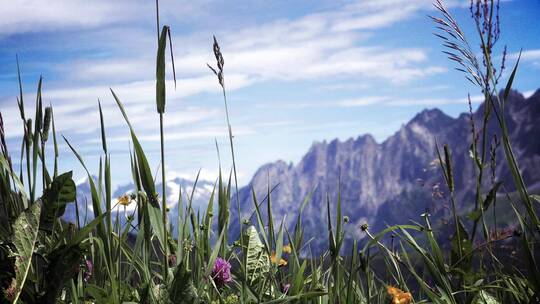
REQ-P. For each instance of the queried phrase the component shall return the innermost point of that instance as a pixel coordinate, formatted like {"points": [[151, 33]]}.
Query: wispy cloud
{"points": [[532, 57], [58, 15], [392, 101], [314, 46]]}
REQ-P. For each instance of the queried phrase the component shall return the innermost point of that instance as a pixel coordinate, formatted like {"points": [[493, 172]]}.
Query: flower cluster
{"points": [[221, 273], [88, 270], [282, 262], [399, 296]]}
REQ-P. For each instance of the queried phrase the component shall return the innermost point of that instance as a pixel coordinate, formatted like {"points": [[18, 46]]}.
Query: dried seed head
{"points": [[28, 132], [220, 63], [364, 227], [46, 124]]}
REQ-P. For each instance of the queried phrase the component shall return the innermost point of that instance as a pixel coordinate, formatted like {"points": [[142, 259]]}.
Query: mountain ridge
{"points": [[372, 174], [387, 182]]}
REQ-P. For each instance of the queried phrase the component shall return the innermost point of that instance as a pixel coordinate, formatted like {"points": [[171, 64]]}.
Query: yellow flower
{"points": [[399, 296], [287, 249], [124, 200], [273, 259]]}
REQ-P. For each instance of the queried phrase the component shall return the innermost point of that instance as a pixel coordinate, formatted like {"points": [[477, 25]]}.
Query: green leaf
{"points": [[483, 297], [258, 262], [490, 198], [182, 289], [25, 231], [147, 181], [214, 254], [83, 232], [299, 281], [55, 199], [4, 165], [99, 294], [465, 263]]}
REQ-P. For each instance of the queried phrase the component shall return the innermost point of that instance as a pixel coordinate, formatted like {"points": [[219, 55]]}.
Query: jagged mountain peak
{"points": [[394, 180], [433, 119]]}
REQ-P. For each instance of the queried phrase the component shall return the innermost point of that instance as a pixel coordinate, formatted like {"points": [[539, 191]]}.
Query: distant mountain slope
{"points": [[201, 196], [381, 183], [398, 179]]}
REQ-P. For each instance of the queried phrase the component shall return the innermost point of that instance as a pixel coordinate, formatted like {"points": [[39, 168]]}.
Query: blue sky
{"points": [[295, 71]]}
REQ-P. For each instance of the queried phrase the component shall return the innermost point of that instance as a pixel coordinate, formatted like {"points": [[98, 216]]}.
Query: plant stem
{"points": [[163, 200]]}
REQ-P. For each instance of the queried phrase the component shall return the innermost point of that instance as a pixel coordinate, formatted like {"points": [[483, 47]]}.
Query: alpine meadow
{"points": [[445, 211]]}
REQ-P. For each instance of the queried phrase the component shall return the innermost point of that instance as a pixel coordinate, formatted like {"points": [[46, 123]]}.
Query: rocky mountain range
{"points": [[395, 180], [384, 183]]}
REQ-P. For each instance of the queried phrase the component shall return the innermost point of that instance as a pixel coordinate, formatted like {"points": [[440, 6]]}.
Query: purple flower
{"points": [[285, 288], [172, 260], [221, 274], [89, 268]]}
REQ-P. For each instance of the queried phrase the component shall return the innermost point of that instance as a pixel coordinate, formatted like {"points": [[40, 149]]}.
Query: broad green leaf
{"points": [[483, 297], [55, 199], [258, 262], [182, 290], [25, 231]]}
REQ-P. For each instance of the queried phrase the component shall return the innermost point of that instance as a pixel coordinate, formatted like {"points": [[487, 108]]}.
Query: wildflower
{"points": [[124, 200], [273, 259], [399, 296], [285, 288], [287, 249], [221, 274], [172, 260], [89, 269]]}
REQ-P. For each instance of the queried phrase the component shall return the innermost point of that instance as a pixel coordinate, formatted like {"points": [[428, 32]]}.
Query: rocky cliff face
{"points": [[398, 179]]}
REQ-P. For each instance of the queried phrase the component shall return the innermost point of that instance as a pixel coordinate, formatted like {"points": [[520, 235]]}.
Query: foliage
{"points": [[45, 260]]}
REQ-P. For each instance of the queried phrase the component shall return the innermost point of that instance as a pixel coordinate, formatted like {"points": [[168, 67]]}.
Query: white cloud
{"points": [[329, 45], [318, 46], [210, 133], [390, 101], [527, 55], [20, 16], [366, 101], [530, 57], [35, 15], [315, 46]]}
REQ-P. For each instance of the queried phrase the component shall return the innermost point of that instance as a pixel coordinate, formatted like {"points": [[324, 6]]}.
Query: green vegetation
{"points": [[44, 260]]}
